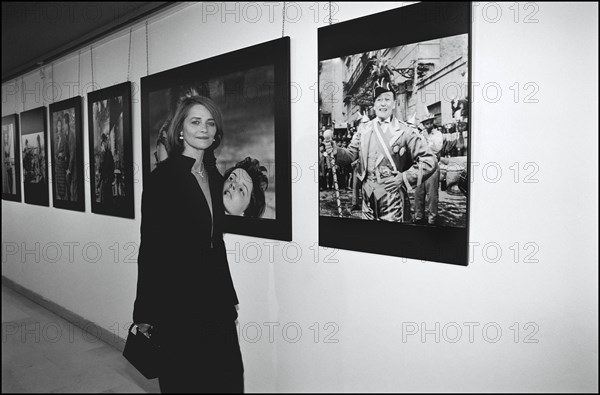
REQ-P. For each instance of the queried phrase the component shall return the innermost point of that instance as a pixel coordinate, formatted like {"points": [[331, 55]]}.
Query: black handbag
{"points": [[142, 352]]}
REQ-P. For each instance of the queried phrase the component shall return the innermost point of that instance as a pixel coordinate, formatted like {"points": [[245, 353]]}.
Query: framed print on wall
{"points": [[111, 155], [34, 156], [251, 89], [394, 132], [11, 166], [66, 136]]}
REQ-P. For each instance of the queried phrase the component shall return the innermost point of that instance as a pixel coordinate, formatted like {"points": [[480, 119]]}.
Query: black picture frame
{"points": [[109, 120], [260, 76], [67, 154], [11, 164], [34, 155], [412, 24]]}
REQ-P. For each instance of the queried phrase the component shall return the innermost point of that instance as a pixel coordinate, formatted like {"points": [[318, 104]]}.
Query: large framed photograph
{"points": [[251, 89], [66, 136], [11, 167], [34, 137], [111, 155], [394, 132]]}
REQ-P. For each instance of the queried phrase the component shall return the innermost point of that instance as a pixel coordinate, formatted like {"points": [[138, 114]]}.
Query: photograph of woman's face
{"points": [[237, 191]]}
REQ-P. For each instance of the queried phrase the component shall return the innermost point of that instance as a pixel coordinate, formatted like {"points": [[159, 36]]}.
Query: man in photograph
{"points": [[430, 187], [7, 162], [393, 159], [107, 171]]}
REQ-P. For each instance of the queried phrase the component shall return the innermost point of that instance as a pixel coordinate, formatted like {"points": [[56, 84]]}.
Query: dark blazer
{"points": [[183, 273]]}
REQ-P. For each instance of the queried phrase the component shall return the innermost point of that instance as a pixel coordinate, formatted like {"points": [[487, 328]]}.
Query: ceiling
{"points": [[36, 33]]}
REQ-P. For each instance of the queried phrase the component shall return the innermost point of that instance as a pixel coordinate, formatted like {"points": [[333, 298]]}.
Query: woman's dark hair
{"points": [[260, 183], [174, 143]]}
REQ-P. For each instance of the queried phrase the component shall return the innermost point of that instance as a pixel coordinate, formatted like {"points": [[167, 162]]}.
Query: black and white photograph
{"points": [[35, 156], [394, 127], [11, 174], [66, 135], [248, 91], [300, 197], [111, 165]]}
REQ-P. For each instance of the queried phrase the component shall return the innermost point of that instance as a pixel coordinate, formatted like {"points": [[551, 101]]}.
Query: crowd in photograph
{"points": [[34, 162], [446, 142]]}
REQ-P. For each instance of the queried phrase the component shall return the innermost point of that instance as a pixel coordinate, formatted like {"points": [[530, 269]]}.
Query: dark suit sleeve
{"points": [[146, 307]]}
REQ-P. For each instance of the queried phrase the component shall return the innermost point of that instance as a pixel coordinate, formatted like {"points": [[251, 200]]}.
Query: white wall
{"points": [[373, 301]]}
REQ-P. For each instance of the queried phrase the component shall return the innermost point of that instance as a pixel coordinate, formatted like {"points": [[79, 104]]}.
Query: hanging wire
{"points": [[79, 73], [147, 56], [129, 58], [43, 77], [283, 21], [330, 20], [17, 90], [52, 82], [23, 93], [92, 60]]}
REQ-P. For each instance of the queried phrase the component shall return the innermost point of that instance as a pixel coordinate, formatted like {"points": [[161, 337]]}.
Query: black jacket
{"points": [[183, 273]]}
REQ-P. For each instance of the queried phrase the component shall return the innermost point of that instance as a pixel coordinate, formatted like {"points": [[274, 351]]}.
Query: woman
{"points": [[176, 96], [244, 189], [185, 295]]}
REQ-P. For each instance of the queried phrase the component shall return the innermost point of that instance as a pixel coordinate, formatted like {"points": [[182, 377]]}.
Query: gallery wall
{"points": [[523, 316]]}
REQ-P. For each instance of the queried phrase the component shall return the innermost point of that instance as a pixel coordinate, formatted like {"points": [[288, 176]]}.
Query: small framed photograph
{"points": [[394, 132], [11, 166], [34, 145], [111, 155], [250, 89], [66, 136]]}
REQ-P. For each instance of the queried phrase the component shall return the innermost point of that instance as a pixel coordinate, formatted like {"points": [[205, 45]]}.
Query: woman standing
{"points": [[185, 295]]}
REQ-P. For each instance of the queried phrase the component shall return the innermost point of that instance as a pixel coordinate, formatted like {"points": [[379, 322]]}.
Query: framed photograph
{"points": [[251, 88], [394, 132], [66, 136], [34, 156], [11, 167], [111, 155]]}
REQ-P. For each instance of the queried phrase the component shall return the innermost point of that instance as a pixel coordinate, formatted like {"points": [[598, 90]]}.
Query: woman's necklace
{"points": [[201, 171]]}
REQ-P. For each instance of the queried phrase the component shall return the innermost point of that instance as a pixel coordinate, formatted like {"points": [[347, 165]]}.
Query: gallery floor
{"points": [[41, 352]]}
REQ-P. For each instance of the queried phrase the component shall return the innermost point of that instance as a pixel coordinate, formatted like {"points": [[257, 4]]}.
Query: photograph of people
{"points": [[386, 178], [112, 170], [61, 158], [403, 150], [247, 104], [8, 160]]}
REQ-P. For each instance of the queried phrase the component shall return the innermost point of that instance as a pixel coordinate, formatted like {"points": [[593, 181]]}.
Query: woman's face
{"points": [[59, 127], [199, 129], [237, 190]]}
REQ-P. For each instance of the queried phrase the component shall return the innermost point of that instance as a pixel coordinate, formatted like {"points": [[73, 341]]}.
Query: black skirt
{"points": [[203, 357]]}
